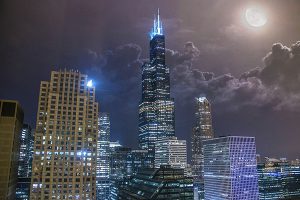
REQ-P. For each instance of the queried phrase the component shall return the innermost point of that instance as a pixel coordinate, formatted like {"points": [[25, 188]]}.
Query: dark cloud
{"points": [[274, 85]]}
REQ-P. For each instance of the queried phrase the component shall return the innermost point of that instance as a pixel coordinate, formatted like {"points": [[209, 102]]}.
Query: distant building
{"points": [[118, 162], [162, 183], [65, 145], [26, 145], [11, 121], [103, 157], [171, 151], [156, 109], [230, 168], [202, 130], [136, 160], [125, 162], [25, 163], [278, 179]]}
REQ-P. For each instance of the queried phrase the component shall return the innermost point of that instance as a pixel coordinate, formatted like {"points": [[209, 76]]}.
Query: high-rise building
{"points": [[156, 109], [118, 166], [230, 168], [278, 179], [26, 140], [11, 121], [203, 130], [171, 151], [65, 144], [162, 183], [103, 157], [25, 163], [137, 159]]}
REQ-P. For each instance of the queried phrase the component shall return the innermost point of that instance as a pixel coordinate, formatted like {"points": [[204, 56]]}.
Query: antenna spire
{"points": [[157, 26]]}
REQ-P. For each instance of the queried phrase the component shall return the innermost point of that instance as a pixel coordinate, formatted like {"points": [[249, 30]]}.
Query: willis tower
{"points": [[156, 109]]}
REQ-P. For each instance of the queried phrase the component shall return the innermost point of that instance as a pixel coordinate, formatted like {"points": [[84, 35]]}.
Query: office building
{"points": [[136, 160], [278, 179], [103, 157], [162, 183], [156, 108], [25, 163], [65, 144], [202, 130], [11, 121], [118, 166], [171, 151], [230, 168], [26, 145]]}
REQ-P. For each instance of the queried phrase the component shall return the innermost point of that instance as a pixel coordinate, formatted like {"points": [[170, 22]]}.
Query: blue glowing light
{"points": [[90, 83], [157, 26]]}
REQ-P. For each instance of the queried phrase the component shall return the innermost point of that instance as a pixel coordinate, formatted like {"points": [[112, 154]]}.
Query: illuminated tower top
{"points": [[157, 26]]}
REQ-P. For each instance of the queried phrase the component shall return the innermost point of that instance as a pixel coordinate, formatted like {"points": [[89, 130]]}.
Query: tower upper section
{"points": [[157, 26]]}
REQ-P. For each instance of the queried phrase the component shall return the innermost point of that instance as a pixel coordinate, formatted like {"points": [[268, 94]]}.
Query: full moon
{"points": [[255, 17]]}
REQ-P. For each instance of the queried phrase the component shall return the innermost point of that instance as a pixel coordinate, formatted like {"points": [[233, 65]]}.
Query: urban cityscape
{"points": [[127, 124]]}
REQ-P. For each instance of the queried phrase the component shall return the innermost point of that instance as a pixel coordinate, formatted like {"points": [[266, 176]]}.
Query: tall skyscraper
{"points": [[25, 163], [11, 121], [203, 130], [230, 168], [171, 151], [156, 109], [103, 157], [65, 145]]}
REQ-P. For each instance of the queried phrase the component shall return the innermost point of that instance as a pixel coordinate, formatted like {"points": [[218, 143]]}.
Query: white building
{"points": [[171, 151]]}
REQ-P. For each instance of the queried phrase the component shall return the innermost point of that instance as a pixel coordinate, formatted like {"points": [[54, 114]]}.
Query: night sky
{"points": [[251, 75]]}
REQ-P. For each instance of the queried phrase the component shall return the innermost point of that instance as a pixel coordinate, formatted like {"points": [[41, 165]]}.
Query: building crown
{"points": [[157, 26]]}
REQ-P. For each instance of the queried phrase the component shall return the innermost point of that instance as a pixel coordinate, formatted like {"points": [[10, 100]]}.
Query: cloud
{"points": [[275, 85]]}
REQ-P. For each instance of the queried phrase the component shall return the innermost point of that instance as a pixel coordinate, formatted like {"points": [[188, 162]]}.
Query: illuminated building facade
{"points": [[170, 151], [156, 109], [103, 157], [65, 144], [11, 121], [230, 170], [278, 179], [26, 145], [203, 130], [162, 183], [25, 163]]}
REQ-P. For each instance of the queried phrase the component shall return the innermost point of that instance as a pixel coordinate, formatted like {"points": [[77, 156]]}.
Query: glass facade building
{"points": [[11, 122], [162, 183], [230, 170], [103, 157], [25, 163], [203, 130], [156, 109], [65, 142], [278, 179], [171, 151]]}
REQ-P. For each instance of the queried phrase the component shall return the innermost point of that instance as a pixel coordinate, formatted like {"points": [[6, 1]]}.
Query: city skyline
{"points": [[248, 108]]}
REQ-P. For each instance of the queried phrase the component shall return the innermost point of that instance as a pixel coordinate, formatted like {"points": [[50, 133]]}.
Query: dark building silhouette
{"points": [[162, 183], [11, 121]]}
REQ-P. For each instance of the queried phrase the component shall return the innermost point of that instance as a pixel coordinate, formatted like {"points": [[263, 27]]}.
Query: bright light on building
{"points": [[90, 83]]}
